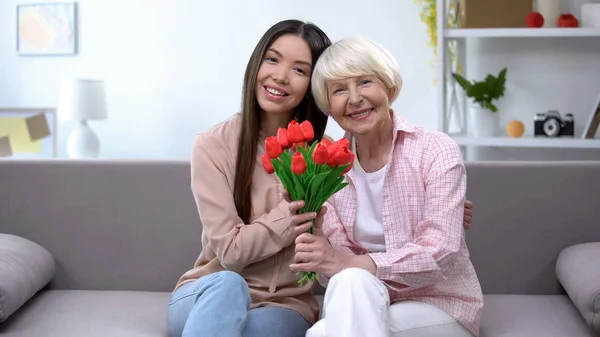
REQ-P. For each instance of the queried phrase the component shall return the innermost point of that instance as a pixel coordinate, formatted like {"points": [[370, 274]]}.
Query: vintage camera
{"points": [[550, 124]]}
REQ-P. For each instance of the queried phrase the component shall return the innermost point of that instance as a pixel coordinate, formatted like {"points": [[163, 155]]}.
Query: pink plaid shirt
{"points": [[426, 258]]}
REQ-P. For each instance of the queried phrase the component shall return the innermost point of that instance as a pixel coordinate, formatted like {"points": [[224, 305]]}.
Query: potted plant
{"points": [[484, 113]]}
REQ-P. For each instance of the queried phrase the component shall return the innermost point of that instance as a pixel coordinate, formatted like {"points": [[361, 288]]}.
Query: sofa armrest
{"points": [[578, 270], [25, 268]]}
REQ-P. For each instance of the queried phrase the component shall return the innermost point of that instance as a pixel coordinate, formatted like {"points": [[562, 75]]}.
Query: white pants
{"points": [[357, 304]]}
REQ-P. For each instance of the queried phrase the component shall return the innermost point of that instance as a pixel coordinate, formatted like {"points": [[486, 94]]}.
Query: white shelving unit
{"points": [[531, 142], [458, 33], [446, 82]]}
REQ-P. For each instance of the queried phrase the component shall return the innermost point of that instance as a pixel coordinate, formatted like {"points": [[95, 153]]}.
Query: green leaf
{"points": [[477, 91], [464, 83], [298, 187], [286, 157], [497, 85], [317, 181], [333, 180], [310, 165], [308, 197], [312, 148], [484, 92], [339, 187], [286, 180], [331, 186]]}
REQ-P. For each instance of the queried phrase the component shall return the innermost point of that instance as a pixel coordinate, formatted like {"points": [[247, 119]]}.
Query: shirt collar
{"points": [[400, 125]]}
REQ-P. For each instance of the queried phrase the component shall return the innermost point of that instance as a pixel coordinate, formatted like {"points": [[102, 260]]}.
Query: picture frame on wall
{"points": [[28, 133], [46, 29], [591, 127]]}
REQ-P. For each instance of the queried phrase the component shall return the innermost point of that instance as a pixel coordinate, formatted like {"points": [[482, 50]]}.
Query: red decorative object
{"points": [[568, 20], [535, 20]]}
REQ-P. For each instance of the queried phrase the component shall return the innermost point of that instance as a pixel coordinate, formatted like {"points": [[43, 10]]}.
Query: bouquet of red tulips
{"points": [[312, 173]]}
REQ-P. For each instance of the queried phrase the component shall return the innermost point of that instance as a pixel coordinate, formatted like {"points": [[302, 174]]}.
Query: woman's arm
{"points": [[235, 243], [431, 256]]}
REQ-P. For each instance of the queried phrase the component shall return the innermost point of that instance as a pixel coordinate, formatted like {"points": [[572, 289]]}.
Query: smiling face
{"points": [[284, 75], [360, 105]]}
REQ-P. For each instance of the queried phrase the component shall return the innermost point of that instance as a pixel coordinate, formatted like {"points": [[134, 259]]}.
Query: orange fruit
{"points": [[515, 129]]}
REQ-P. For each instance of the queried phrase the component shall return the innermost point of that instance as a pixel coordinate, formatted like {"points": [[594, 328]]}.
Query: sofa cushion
{"points": [[578, 270], [77, 313], [532, 315], [528, 316], [25, 268]]}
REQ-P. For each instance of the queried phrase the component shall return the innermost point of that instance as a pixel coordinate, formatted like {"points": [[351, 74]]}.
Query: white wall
{"points": [[174, 68]]}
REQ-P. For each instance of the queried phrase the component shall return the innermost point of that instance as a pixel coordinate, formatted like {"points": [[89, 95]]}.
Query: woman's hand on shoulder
{"points": [[468, 214]]}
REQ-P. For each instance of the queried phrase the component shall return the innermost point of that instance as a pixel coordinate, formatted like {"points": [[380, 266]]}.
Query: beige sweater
{"points": [[260, 251]]}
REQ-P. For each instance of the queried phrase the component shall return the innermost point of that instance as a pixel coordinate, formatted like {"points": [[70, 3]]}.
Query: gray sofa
{"points": [[105, 241]]}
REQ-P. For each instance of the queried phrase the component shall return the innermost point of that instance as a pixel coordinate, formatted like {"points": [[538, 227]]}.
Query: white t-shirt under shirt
{"points": [[368, 227]]}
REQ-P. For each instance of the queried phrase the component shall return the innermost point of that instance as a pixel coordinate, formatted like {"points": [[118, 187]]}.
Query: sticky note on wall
{"points": [[37, 127], [5, 148], [18, 133]]}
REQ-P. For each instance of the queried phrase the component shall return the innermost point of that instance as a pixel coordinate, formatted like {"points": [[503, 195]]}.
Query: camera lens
{"points": [[551, 127]]}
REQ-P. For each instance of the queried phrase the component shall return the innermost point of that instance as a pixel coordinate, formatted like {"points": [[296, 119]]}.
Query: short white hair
{"points": [[354, 57]]}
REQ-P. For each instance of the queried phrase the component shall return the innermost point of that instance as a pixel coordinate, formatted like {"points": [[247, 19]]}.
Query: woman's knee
{"points": [[228, 279], [353, 273], [275, 321], [353, 276], [223, 285], [357, 283]]}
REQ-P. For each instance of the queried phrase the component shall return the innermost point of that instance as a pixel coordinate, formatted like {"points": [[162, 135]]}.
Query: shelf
{"points": [[520, 32], [571, 143]]}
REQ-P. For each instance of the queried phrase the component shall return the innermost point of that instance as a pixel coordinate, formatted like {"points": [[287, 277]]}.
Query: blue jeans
{"points": [[219, 305]]}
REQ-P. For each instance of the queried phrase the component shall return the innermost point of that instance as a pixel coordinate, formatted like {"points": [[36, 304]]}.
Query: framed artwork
{"points": [[589, 132], [28, 133], [46, 29]]}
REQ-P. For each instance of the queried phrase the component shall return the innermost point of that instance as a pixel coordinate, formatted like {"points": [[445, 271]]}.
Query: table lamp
{"points": [[82, 100]]}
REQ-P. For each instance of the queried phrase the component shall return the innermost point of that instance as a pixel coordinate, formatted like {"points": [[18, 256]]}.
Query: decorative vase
{"points": [[550, 10], [484, 122]]}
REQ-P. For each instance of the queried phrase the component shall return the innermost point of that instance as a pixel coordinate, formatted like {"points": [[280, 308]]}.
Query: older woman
{"points": [[393, 255]]}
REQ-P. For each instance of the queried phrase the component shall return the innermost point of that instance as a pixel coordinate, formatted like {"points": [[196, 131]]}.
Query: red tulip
{"points": [[298, 163], [299, 144], [267, 164], [343, 156], [273, 147], [351, 164], [326, 141], [320, 154], [334, 148], [282, 138], [341, 143], [295, 134], [307, 130]]}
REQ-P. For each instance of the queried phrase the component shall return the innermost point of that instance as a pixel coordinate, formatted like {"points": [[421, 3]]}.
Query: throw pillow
{"points": [[578, 270], [25, 268]]}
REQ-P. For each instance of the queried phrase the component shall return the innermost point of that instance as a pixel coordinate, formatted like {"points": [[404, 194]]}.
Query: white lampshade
{"points": [[82, 99]]}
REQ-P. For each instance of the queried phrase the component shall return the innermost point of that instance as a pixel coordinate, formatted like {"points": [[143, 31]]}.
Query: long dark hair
{"points": [[306, 110]]}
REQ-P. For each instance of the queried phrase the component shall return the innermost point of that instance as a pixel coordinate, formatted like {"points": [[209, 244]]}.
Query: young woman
{"points": [[241, 284]]}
